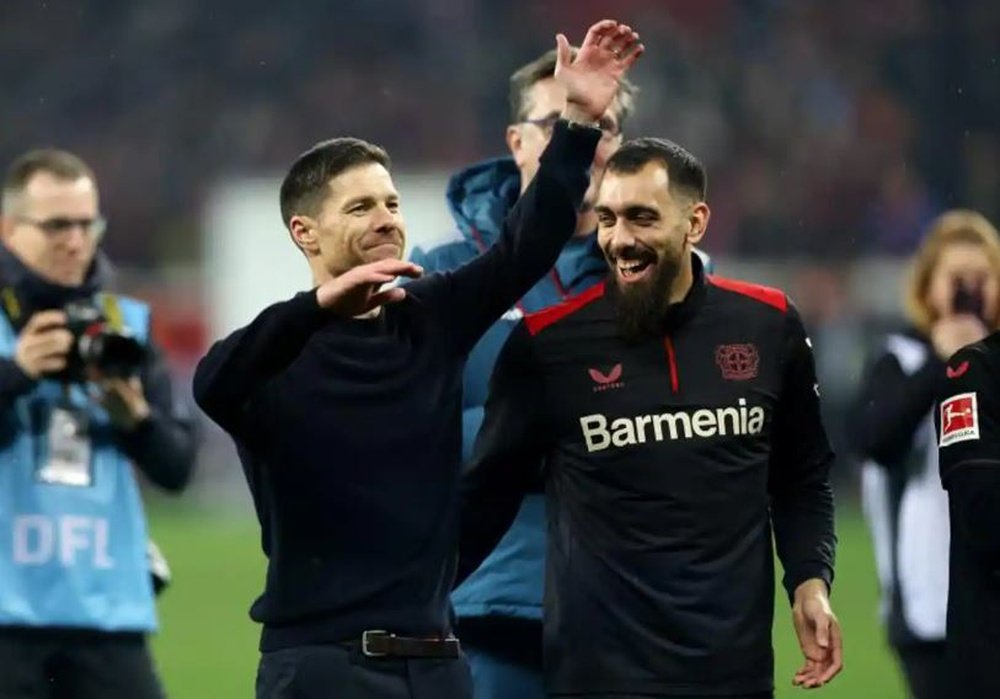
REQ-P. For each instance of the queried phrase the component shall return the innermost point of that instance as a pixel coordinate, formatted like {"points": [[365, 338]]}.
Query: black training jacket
{"points": [[666, 464], [968, 424]]}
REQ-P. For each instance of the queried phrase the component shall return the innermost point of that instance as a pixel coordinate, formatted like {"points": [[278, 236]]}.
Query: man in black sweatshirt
{"points": [[327, 394], [674, 420]]}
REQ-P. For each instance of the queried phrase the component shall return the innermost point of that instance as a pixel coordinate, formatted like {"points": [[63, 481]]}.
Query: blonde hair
{"points": [[955, 226]]}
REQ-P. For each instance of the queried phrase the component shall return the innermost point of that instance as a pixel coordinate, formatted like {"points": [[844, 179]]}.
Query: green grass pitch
{"points": [[207, 647]]}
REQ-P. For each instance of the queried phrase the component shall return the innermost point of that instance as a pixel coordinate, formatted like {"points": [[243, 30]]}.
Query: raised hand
{"points": [[952, 333], [591, 78], [124, 400], [356, 291]]}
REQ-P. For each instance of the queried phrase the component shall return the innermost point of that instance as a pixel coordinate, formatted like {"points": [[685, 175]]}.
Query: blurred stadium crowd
{"points": [[832, 132], [825, 126]]}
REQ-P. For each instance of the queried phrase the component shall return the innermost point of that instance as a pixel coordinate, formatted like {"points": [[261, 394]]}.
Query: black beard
{"points": [[640, 308]]}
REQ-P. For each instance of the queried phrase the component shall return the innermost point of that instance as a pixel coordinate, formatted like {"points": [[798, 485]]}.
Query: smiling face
{"points": [[646, 229], [357, 221]]}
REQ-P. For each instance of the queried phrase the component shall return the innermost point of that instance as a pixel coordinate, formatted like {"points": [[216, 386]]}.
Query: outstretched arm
{"points": [[476, 294], [236, 367]]}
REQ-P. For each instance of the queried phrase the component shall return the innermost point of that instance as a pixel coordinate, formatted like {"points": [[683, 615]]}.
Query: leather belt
{"points": [[382, 644]]}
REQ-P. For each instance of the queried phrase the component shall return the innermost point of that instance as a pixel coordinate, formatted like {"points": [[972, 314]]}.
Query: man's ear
{"points": [[698, 218], [302, 229], [514, 142], [6, 227]]}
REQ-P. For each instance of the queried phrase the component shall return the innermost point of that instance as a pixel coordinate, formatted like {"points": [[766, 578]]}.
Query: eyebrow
{"points": [[366, 199], [629, 211], [634, 210]]}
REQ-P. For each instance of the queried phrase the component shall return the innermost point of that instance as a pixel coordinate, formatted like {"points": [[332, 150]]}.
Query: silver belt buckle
{"points": [[366, 636]]}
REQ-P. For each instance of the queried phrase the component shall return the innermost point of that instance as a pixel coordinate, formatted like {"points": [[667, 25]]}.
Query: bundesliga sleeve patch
{"points": [[959, 419]]}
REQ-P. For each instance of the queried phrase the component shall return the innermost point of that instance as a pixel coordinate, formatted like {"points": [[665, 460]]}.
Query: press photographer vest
{"points": [[71, 555]]}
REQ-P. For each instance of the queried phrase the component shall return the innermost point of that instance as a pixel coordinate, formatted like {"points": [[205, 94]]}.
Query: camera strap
{"points": [[109, 305], [11, 305], [112, 312]]}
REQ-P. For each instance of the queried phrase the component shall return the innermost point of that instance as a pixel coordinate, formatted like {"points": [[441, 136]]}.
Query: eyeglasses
{"points": [[61, 225], [609, 128]]}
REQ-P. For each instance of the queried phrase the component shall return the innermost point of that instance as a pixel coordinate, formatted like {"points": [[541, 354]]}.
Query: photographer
{"points": [[952, 300], [84, 395]]}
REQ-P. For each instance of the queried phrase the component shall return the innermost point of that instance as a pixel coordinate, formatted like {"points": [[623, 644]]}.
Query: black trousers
{"points": [[339, 672], [926, 670], [69, 664]]}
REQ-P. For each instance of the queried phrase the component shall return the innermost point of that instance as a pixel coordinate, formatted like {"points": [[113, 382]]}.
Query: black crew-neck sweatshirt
{"points": [[349, 430]]}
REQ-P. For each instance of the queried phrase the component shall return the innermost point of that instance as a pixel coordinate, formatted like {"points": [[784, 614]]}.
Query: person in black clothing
{"points": [[345, 405], [968, 422], [674, 418], [76, 585], [952, 299]]}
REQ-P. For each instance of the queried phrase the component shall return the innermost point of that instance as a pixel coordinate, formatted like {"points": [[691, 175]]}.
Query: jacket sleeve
{"points": [[891, 406], [164, 445], [508, 454], [474, 296], [14, 383], [799, 484], [237, 367], [968, 425]]}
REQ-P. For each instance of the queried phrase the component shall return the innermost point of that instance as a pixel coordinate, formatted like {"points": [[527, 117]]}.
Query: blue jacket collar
{"points": [[479, 198]]}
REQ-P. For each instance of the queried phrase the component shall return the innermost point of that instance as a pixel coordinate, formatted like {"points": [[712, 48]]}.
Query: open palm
{"points": [[591, 77], [359, 290]]}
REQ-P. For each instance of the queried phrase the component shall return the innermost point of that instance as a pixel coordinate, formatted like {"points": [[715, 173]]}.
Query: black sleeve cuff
{"points": [[570, 153], [798, 575], [305, 305]]}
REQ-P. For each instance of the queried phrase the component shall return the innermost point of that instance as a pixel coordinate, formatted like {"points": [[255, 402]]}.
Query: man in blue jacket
{"points": [[500, 605], [80, 405]]}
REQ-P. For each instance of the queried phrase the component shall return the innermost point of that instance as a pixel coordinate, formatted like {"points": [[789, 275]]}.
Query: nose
{"points": [[619, 237], [75, 238], [383, 217]]}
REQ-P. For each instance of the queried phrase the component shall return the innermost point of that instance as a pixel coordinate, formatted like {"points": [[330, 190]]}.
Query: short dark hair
{"points": [[59, 163], [544, 67], [686, 172], [304, 187]]}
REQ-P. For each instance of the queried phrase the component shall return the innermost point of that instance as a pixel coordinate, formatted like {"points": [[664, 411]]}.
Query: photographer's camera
{"points": [[97, 345]]}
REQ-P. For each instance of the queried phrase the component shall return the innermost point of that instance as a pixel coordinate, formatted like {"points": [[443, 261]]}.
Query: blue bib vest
{"points": [[71, 556]]}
